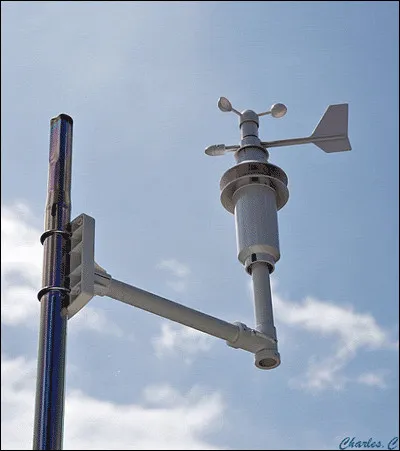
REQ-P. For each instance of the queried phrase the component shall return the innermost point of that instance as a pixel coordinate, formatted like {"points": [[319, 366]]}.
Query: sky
{"points": [[141, 81]]}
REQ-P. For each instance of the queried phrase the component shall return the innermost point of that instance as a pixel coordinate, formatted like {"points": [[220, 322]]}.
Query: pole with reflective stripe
{"points": [[49, 408]]}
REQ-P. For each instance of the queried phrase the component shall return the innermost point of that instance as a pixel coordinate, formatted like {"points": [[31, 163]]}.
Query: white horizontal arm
{"points": [[237, 335], [172, 310]]}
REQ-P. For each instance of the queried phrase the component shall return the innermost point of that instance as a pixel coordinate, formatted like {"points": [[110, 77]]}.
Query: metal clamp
{"points": [[48, 233], [43, 237], [45, 290]]}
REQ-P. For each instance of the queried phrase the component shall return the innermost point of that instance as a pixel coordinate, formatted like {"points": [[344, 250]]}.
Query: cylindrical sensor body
{"points": [[256, 225], [254, 191]]}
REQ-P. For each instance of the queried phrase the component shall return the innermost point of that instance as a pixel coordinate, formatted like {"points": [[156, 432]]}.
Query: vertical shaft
{"points": [[263, 299], [49, 408], [250, 145]]}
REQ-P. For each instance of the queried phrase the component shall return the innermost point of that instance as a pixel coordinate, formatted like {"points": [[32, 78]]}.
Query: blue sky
{"points": [[141, 81]]}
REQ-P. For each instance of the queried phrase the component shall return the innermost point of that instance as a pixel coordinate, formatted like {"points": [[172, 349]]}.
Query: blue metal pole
{"points": [[49, 408]]}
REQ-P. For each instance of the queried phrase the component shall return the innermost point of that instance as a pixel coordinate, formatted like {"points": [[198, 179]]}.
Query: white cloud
{"points": [[21, 258], [17, 402], [175, 338], [90, 318], [21, 268], [353, 329], [350, 332], [162, 395], [18, 304], [372, 379], [178, 270], [174, 420]]}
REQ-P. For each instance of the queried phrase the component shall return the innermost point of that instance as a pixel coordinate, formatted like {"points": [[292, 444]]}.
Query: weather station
{"points": [[253, 191]]}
